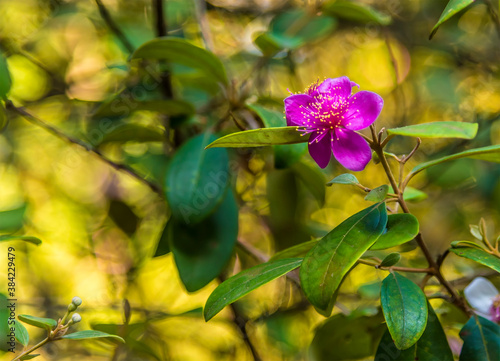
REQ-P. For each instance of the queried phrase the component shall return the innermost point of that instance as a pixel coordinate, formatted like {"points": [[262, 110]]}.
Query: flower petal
{"points": [[480, 294], [320, 149], [364, 108], [294, 109], [350, 149], [336, 87]]}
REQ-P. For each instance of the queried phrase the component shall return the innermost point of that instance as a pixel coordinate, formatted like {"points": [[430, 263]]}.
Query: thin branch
{"points": [[113, 27], [401, 269], [61, 135]]}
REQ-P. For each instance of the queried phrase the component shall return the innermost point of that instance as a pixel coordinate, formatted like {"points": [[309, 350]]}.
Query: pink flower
{"points": [[483, 296], [332, 114]]}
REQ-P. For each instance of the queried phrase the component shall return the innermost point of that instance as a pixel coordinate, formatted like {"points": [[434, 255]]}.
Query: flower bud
{"points": [[77, 301], [76, 318], [72, 307]]}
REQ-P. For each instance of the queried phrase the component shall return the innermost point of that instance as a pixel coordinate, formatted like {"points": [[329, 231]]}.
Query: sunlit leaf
{"points": [[405, 310], [490, 153], [432, 345], [345, 178], [92, 335], [260, 138], [355, 11], [181, 51], [453, 7], [298, 251], [377, 194], [479, 256], [29, 357], [390, 260], [196, 179], [460, 130], [40, 322], [481, 340], [401, 228], [13, 219], [334, 255], [22, 334], [29, 239], [202, 250], [412, 194], [246, 281]]}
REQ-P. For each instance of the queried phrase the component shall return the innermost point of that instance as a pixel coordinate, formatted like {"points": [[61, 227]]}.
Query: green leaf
{"points": [[313, 179], [401, 228], [39, 322], [202, 251], [29, 357], [246, 281], [3, 117], [481, 340], [5, 81], [460, 130], [284, 155], [377, 194], [13, 219], [267, 45], [298, 251], [343, 337], [260, 138], [479, 256], [22, 334], [124, 104], [412, 194], [456, 244], [453, 7], [432, 346], [405, 310], [490, 153], [354, 11], [91, 334], [182, 52], [295, 28], [163, 246], [196, 179], [133, 133], [345, 178], [7, 238], [333, 256], [390, 260]]}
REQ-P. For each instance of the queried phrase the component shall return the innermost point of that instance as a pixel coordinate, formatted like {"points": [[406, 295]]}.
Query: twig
{"points": [[402, 269], [113, 27], [58, 133]]}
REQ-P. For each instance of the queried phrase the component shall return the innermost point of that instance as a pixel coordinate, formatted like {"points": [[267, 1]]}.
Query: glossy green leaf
{"points": [[355, 11], [202, 250], [390, 260], [343, 337], [246, 281], [313, 179], [5, 80], [124, 104], [453, 7], [260, 138], [196, 179], [29, 239], [298, 251], [22, 334], [460, 130], [401, 228], [13, 219], [490, 153], [334, 255], [377, 194], [92, 335], [284, 155], [182, 52], [3, 117], [346, 178], [432, 345], [133, 133], [40, 322], [481, 340], [292, 29], [405, 310], [479, 256]]}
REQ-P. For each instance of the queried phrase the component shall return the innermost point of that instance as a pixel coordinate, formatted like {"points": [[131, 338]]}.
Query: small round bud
{"points": [[76, 318], [77, 301], [72, 307]]}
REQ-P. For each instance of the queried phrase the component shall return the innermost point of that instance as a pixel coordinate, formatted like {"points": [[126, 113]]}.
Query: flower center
{"points": [[495, 309]]}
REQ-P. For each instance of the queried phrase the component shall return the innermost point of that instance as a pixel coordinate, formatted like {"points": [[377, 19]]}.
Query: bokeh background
{"points": [[100, 227]]}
